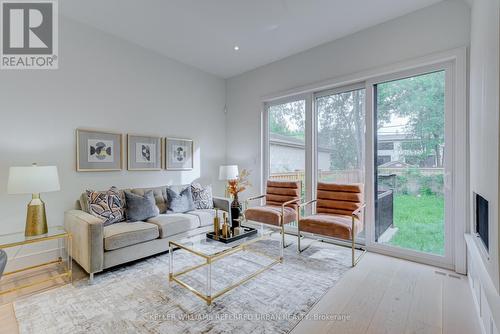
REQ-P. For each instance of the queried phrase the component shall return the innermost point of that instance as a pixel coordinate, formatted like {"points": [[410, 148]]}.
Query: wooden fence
{"points": [[349, 176], [340, 176]]}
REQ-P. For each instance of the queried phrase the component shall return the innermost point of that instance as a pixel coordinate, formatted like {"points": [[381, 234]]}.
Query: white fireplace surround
{"points": [[485, 295]]}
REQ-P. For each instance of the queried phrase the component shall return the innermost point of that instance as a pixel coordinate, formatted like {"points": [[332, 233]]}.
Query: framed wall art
{"points": [[144, 152], [179, 153], [98, 151]]}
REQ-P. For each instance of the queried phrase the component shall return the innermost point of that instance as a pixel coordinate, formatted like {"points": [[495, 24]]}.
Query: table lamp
{"points": [[228, 172], [34, 180]]}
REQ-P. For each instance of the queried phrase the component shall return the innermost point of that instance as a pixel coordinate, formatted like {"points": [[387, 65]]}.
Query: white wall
{"points": [[104, 83], [440, 27], [484, 122]]}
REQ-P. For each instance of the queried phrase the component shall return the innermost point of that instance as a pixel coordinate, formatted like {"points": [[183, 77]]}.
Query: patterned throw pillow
{"points": [[108, 205], [202, 196]]}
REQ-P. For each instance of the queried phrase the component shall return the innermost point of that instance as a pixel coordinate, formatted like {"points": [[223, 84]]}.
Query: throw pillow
{"points": [[107, 205], [180, 202], [202, 196], [141, 207]]}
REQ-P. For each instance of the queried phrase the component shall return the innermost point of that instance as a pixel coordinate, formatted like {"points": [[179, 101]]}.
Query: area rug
{"points": [[138, 298]]}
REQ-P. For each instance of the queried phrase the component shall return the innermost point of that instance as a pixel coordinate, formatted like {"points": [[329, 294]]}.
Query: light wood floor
{"points": [[387, 295], [380, 295]]}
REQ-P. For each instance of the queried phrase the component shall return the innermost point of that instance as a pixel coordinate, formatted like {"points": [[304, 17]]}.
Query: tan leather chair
{"points": [[339, 213], [282, 202]]}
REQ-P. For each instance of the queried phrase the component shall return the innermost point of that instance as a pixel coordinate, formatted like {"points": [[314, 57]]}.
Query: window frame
{"points": [[457, 59], [266, 142]]}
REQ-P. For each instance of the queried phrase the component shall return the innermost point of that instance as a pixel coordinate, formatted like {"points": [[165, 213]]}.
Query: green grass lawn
{"points": [[420, 220]]}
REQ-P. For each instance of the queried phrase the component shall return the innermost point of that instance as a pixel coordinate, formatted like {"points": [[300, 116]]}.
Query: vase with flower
{"points": [[234, 187]]}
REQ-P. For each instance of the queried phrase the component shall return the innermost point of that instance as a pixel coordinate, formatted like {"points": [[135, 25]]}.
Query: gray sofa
{"points": [[96, 247]]}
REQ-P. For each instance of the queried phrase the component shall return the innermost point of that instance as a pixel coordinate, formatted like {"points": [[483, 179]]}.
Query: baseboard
{"points": [[486, 298]]}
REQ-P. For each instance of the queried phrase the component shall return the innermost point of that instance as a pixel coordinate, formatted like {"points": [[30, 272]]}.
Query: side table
{"points": [[63, 261]]}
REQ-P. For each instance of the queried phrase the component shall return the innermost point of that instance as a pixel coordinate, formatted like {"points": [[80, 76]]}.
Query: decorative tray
{"points": [[247, 231]]}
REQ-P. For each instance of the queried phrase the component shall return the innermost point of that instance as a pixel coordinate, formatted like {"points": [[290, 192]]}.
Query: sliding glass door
{"points": [[411, 164], [340, 135], [393, 134], [287, 142]]}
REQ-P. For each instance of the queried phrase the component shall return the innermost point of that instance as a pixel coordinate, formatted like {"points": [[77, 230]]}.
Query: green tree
{"points": [[419, 99], [341, 128], [288, 119]]}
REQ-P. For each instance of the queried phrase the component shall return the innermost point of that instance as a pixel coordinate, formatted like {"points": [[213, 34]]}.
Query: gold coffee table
{"points": [[211, 251], [62, 263]]}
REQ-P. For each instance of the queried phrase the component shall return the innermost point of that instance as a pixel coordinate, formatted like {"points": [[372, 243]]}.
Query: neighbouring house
{"points": [[397, 147], [288, 154]]}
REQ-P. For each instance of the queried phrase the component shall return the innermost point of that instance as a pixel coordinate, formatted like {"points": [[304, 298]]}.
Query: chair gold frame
{"points": [[354, 216], [281, 221]]}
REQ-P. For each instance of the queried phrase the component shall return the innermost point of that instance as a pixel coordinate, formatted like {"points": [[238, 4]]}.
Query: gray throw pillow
{"points": [[182, 202], [141, 207]]}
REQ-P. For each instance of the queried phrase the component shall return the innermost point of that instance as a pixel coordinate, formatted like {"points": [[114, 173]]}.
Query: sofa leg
{"points": [[91, 278]]}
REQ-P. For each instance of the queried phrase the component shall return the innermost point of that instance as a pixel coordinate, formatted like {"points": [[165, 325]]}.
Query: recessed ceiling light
{"points": [[236, 48]]}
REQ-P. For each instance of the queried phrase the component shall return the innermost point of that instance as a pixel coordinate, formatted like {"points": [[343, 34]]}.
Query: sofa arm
{"points": [[223, 203], [88, 239]]}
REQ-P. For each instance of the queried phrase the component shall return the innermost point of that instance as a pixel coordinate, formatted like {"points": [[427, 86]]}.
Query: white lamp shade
{"points": [[33, 180], [228, 172]]}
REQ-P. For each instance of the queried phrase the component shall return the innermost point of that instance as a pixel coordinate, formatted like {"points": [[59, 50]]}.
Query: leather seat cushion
{"points": [[121, 235], [269, 214], [337, 226], [174, 223]]}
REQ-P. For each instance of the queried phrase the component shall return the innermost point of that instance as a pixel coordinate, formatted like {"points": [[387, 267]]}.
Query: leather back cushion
{"points": [[279, 192], [341, 199]]}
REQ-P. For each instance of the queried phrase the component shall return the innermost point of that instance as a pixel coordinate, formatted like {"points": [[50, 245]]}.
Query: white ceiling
{"points": [[202, 33]]}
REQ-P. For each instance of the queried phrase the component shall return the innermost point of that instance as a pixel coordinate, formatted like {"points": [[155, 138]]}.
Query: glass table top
{"points": [[206, 247], [16, 239]]}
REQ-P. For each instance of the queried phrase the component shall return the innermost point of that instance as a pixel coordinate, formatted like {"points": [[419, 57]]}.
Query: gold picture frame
{"points": [[144, 165], [110, 161], [180, 158]]}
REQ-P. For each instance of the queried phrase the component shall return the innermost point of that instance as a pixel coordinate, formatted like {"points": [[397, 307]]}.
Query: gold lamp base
{"points": [[36, 219]]}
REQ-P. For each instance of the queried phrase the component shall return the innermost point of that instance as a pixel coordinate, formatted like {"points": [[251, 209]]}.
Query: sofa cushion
{"points": [[174, 223], [178, 187], [141, 207], [180, 202], [108, 205], [160, 194], [206, 216], [202, 196], [121, 235]]}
